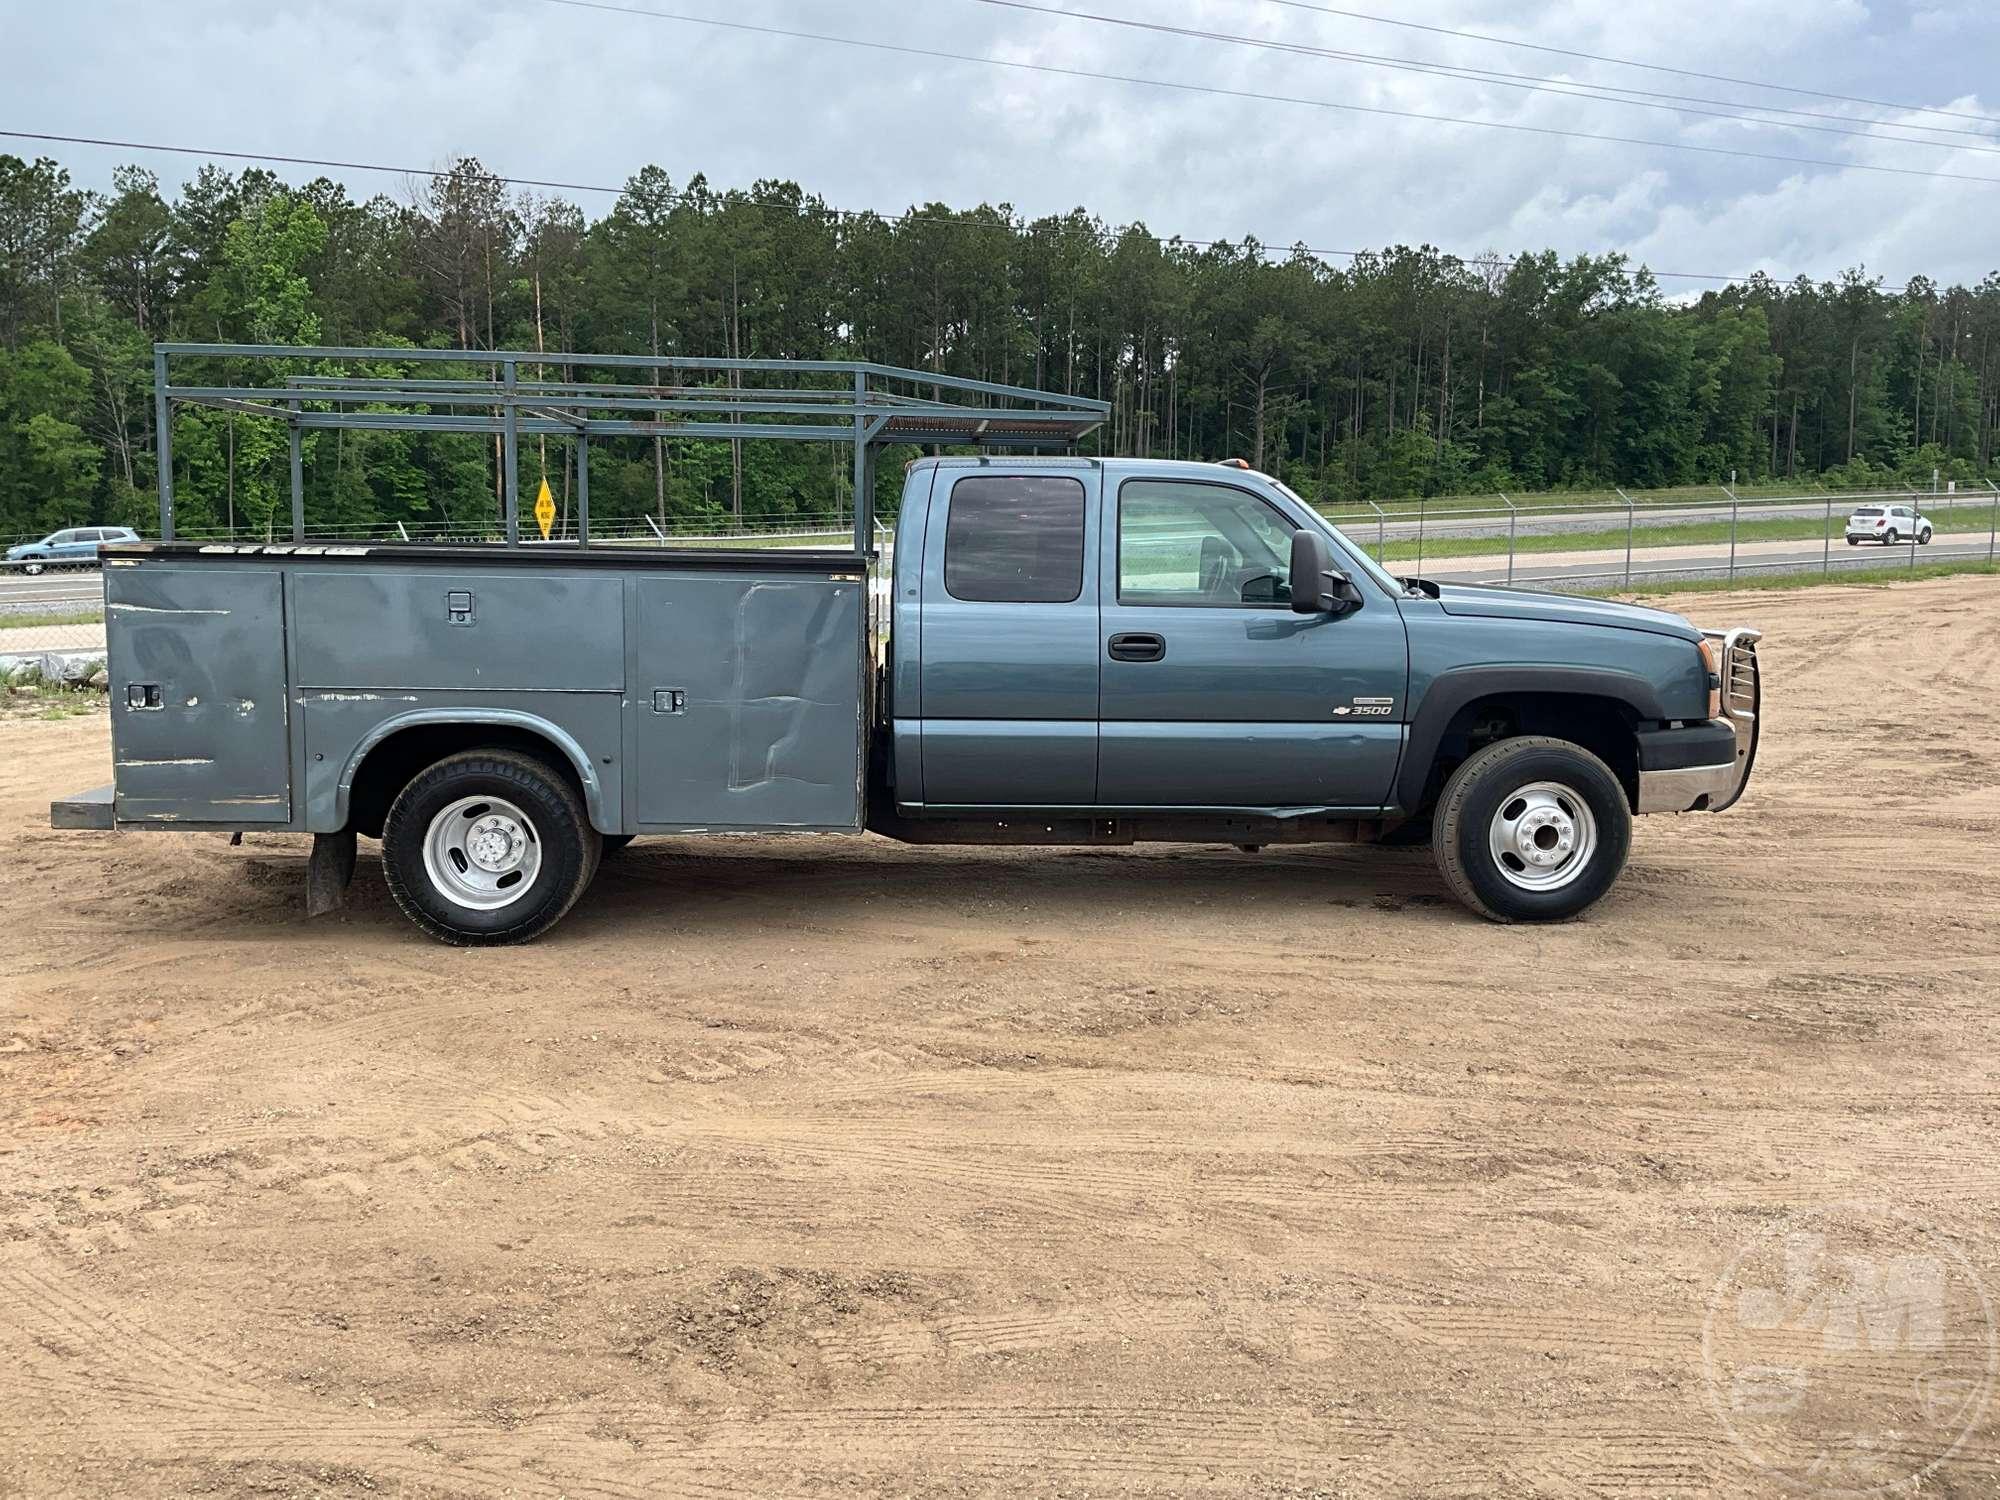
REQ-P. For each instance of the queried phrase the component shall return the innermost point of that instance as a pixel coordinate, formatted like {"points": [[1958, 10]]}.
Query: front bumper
{"points": [[1713, 786]]}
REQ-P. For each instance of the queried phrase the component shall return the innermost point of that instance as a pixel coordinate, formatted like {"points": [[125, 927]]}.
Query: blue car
{"points": [[75, 547]]}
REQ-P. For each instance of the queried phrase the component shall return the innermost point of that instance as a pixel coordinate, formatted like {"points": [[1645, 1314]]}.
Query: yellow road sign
{"points": [[545, 510]]}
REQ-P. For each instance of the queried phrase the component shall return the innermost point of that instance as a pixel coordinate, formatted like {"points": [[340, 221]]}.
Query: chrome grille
{"points": [[1740, 683]]}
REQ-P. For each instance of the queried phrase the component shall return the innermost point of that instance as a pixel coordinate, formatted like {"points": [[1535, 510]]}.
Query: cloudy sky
{"points": [[587, 93]]}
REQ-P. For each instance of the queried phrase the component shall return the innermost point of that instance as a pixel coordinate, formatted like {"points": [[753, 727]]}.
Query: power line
{"points": [[1012, 226], [1626, 62], [1528, 82], [1054, 70]]}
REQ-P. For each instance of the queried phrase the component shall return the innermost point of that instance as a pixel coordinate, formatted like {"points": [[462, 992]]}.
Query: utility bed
{"points": [[688, 689]]}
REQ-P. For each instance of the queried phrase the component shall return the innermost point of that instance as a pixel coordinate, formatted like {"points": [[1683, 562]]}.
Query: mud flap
{"points": [[328, 872]]}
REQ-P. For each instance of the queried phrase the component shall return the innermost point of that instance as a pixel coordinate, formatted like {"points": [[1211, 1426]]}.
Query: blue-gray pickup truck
{"points": [[1055, 651]]}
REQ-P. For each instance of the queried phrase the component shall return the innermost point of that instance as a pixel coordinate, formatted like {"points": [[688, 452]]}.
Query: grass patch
{"points": [[1800, 580], [71, 706], [809, 541], [32, 622], [34, 699]]}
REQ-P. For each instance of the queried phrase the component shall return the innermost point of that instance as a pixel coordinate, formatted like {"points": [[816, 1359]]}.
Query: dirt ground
{"points": [[821, 1167]]}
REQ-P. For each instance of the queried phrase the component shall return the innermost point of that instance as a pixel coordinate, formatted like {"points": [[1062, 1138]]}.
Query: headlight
{"points": [[1711, 658]]}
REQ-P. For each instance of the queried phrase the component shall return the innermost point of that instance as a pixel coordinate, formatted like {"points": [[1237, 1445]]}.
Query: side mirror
{"points": [[1318, 587]]}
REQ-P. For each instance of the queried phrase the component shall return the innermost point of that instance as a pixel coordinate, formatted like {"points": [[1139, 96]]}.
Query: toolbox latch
{"points": [[458, 606], [670, 700]]}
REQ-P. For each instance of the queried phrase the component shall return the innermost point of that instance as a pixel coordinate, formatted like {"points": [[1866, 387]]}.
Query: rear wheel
{"points": [[1889, 537], [1532, 829], [487, 847]]}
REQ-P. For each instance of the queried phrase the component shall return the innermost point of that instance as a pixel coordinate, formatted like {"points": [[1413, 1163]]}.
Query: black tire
{"points": [[568, 847], [1854, 541], [1486, 784], [34, 567], [1924, 537], [1889, 537]]}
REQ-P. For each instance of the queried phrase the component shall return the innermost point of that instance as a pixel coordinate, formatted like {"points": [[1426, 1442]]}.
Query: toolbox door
{"points": [[745, 709], [198, 709]]}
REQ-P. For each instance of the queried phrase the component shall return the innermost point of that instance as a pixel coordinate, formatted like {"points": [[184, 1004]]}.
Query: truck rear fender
{"points": [[1598, 708], [401, 746]]}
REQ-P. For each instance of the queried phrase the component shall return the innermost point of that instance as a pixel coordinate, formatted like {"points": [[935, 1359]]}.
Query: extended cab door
{"points": [[1009, 638], [1214, 693]]}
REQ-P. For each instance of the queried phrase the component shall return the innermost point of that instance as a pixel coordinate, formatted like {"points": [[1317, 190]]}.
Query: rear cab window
{"points": [[1014, 539]]}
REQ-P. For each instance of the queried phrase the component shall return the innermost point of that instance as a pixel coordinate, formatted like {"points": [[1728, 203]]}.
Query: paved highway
{"points": [[52, 593]]}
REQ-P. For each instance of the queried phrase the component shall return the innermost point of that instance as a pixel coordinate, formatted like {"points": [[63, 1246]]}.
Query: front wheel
{"points": [[487, 847], [1924, 537], [1531, 829], [33, 569]]}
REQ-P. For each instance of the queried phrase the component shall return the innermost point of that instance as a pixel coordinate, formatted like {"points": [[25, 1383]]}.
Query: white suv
{"points": [[1887, 524]]}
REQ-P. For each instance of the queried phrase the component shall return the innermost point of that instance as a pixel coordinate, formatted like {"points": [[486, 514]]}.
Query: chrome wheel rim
{"points": [[482, 853], [1542, 836]]}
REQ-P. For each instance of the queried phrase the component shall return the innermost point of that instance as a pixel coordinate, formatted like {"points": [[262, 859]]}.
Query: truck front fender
{"points": [[604, 820], [1452, 690]]}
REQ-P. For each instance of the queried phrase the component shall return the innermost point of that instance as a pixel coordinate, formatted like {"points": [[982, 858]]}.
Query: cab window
{"points": [[1015, 540], [1190, 543]]}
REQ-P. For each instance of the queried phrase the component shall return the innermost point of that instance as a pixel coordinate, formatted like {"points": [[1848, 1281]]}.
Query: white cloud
{"points": [[550, 91]]}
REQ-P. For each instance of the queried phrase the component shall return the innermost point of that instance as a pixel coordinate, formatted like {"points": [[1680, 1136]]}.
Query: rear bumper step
{"points": [[91, 809]]}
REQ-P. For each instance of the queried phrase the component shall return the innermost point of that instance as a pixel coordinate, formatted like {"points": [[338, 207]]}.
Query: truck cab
{"points": [[1109, 650], [1118, 637]]}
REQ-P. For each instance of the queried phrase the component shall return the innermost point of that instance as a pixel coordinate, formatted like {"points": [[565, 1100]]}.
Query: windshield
{"points": [[1360, 554]]}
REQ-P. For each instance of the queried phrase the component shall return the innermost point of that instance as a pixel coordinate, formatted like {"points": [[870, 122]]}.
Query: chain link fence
{"points": [[51, 622], [1617, 540]]}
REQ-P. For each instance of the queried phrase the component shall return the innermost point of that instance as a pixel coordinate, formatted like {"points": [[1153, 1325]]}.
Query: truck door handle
{"points": [[1138, 646]]}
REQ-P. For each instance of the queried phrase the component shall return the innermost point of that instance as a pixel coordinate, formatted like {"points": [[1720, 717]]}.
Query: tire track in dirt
{"points": [[797, 1167]]}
